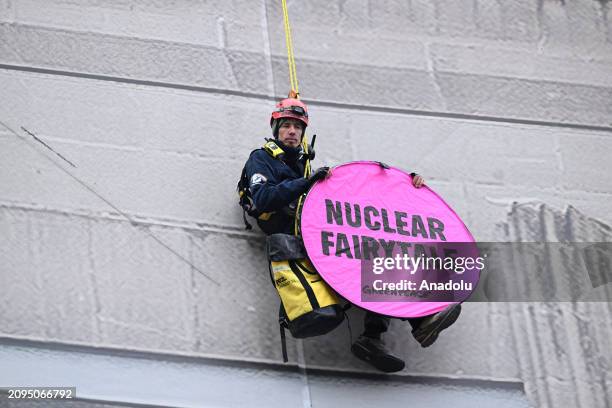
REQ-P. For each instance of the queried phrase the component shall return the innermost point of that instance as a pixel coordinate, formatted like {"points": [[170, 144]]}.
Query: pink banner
{"points": [[364, 211]]}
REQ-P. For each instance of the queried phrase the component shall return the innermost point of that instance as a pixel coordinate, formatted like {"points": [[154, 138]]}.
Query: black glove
{"points": [[319, 174]]}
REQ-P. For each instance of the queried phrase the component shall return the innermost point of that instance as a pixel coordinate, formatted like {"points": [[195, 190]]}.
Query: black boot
{"points": [[374, 352], [431, 326]]}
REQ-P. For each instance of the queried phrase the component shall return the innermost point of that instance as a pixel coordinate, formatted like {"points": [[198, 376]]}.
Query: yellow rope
{"points": [[293, 81], [290, 56], [293, 74]]}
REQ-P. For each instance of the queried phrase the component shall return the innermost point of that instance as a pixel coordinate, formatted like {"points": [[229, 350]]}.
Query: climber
{"points": [[276, 180]]}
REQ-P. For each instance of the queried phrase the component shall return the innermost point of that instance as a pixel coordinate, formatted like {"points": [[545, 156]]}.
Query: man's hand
{"points": [[418, 181], [319, 174]]}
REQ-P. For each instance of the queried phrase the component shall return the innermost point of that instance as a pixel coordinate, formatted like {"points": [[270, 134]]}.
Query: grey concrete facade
{"points": [[138, 242]]}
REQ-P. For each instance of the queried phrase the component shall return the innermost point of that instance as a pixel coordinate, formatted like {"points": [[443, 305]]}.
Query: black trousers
{"points": [[375, 324]]}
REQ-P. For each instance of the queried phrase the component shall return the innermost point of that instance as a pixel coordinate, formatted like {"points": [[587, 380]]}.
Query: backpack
{"points": [[309, 307]]}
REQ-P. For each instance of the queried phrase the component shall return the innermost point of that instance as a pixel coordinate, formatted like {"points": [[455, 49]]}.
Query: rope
{"points": [[295, 91], [293, 81], [290, 56]]}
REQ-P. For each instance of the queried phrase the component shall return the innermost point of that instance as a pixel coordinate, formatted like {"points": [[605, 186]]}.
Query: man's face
{"points": [[290, 132]]}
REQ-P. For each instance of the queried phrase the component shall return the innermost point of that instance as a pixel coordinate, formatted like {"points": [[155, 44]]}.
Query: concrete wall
{"points": [[132, 238]]}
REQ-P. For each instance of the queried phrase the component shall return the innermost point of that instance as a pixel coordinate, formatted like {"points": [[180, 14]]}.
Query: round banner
{"points": [[385, 245]]}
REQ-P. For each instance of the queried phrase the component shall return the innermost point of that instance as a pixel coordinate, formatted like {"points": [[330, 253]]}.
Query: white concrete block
{"points": [[520, 21], [586, 162], [240, 317], [359, 47], [187, 22], [104, 54], [144, 290], [532, 100], [47, 278], [485, 60], [21, 309]]}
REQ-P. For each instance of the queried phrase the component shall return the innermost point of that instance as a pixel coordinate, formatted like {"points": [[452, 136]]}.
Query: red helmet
{"points": [[290, 108]]}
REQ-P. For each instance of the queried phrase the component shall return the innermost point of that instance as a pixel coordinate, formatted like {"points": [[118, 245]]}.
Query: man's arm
{"points": [[270, 194]]}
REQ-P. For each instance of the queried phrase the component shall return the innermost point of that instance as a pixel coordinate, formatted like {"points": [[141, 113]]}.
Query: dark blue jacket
{"points": [[275, 184]]}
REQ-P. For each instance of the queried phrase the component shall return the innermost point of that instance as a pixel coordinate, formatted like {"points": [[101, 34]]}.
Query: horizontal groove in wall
{"points": [[332, 104]]}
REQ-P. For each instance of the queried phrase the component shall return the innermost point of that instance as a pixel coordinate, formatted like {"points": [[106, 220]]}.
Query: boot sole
{"points": [[428, 335], [387, 364]]}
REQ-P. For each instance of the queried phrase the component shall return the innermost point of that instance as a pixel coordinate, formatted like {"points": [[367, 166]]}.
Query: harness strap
{"points": [[348, 322], [247, 225], [283, 343]]}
